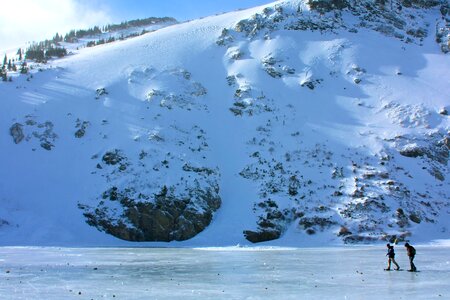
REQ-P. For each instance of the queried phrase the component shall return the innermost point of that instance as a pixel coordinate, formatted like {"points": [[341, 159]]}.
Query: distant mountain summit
{"points": [[294, 123]]}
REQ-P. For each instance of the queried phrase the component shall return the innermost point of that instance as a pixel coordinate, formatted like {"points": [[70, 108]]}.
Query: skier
{"points": [[411, 252], [391, 258]]}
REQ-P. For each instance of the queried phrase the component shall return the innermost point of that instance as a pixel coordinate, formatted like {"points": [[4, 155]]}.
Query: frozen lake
{"points": [[221, 273]]}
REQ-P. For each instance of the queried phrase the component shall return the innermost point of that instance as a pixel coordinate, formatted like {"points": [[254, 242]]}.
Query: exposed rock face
{"points": [[47, 145], [261, 236], [17, 132], [420, 3], [412, 151], [327, 5], [271, 222], [308, 223], [247, 101], [432, 149], [328, 15], [180, 90], [443, 111], [112, 157], [367, 189], [100, 92], [43, 132], [156, 195], [82, 126], [162, 217]]}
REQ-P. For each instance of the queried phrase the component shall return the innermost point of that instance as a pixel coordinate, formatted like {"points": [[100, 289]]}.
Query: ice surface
{"points": [[220, 273]]}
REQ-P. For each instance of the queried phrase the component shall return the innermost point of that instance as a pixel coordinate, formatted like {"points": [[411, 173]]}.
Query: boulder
{"points": [[82, 126], [412, 150], [100, 92], [112, 157], [261, 235], [47, 145], [16, 132]]}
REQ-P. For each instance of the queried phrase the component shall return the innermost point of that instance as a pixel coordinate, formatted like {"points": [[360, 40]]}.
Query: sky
{"points": [[35, 20]]}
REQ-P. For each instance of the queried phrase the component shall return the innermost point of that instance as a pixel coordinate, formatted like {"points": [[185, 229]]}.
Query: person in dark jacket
{"points": [[411, 252], [391, 258]]}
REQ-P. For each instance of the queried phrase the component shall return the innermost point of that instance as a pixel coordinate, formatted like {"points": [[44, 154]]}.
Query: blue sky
{"points": [[42, 19], [180, 9]]}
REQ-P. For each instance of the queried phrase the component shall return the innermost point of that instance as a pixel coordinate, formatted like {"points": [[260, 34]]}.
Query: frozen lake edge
{"points": [[221, 273]]}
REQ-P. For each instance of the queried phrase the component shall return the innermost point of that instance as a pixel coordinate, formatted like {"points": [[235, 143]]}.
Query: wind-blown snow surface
{"points": [[221, 273], [311, 134]]}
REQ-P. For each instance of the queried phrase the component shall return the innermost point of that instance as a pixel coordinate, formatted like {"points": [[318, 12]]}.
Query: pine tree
{"points": [[57, 38], [9, 65], [35, 52], [5, 60], [55, 52], [4, 74], [24, 68], [19, 52]]}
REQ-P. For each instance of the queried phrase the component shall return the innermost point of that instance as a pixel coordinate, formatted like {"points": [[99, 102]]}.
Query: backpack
{"points": [[413, 251]]}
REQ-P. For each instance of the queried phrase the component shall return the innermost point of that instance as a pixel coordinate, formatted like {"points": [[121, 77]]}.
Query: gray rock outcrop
{"points": [[162, 217], [16, 132]]}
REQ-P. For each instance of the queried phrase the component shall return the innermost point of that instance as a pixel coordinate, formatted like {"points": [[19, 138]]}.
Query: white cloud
{"points": [[30, 20]]}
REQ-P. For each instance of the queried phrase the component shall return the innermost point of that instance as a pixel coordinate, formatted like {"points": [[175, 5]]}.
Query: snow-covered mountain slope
{"points": [[294, 123]]}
